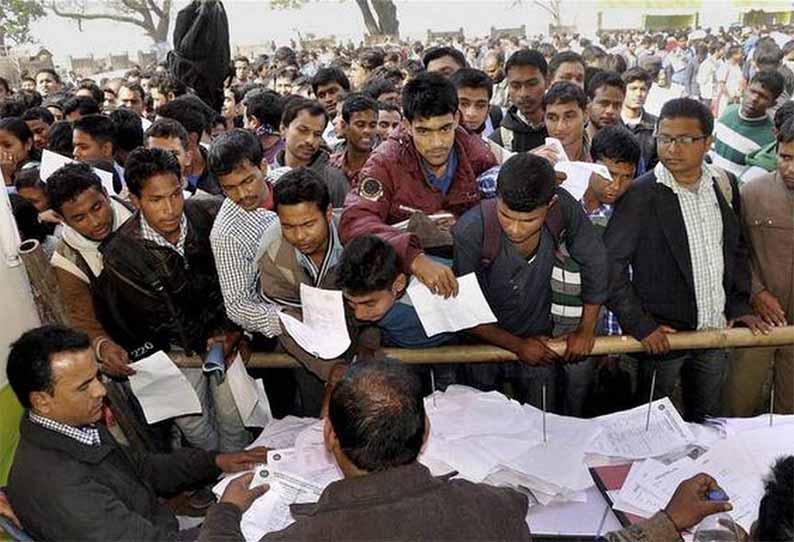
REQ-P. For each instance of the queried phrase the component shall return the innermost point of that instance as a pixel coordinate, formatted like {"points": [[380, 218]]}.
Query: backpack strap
{"points": [[723, 181], [555, 222], [491, 233]]}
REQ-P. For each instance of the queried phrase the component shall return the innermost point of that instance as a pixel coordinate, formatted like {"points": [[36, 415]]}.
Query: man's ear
{"points": [[264, 167], [41, 401], [329, 213], [135, 201], [400, 283], [107, 148], [329, 436]]}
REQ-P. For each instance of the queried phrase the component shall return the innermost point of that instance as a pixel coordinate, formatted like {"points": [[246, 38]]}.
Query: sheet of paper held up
{"points": [[161, 389], [556, 144], [51, 161], [249, 395], [467, 310], [578, 176], [323, 331], [624, 433]]}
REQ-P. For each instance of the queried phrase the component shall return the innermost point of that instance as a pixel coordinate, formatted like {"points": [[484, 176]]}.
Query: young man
{"points": [[79, 106], [510, 243], [522, 128], [93, 139], [746, 127], [389, 119], [164, 89], [567, 66], [48, 82], [474, 97], [565, 106], [263, 112], [329, 86], [641, 123], [768, 220], [730, 80], [383, 90], [132, 96], [39, 120], [242, 69], [677, 260], [302, 127], [606, 92], [170, 136], [764, 160], [430, 165], [444, 60], [162, 290], [359, 125], [129, 133]]}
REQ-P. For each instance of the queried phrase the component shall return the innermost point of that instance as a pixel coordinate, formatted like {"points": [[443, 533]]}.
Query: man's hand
{"points": [[8, 164], [656, 343], [446, 224], [115, 361], [230, 341], [6, 511], [241, 461], [534, 351], [755, 323], [768, 307], [689, 504], [49, 216], [238, 494], [579, 344], [437, 277], [548, 152]]}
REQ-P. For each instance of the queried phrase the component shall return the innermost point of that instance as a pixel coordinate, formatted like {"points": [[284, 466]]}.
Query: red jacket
{"points": [[392, 183]]}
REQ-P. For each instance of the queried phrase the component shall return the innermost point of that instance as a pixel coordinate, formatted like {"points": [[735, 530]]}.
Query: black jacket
{"points": [[647, 232], [64, 490], [525, 137], [644, 131], [152, 298]]}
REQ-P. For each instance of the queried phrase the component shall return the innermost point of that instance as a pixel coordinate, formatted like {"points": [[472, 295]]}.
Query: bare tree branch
{"points": [[96, 16]]}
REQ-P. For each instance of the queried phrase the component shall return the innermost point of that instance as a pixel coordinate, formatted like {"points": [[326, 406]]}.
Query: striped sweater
{"points": [[735, 137]]}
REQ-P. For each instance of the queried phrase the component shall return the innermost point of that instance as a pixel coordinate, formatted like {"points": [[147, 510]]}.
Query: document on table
{"points": [[323, 332], [438, 315], [624, 433], [161, 389], [52, 161], [249, 395], [282, 433], [578, 176]]}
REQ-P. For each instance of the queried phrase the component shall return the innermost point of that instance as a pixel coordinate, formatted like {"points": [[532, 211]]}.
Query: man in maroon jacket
{"points": [[430, 165]]}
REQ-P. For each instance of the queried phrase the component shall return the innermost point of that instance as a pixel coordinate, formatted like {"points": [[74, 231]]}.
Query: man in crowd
{"points": [[567, 66], [94, 139], [329, 86], [39, 120], [242, 69], [263, 110], [764, 160], [79, 106], [132, 96], [359, 125], [164, 88], [389, 119], [48, 82], [129, 133], [170, 136], [474, 97], [678, 262], [565, 106], [606, 92], [493, 66], [444, 60], [641, 123]]}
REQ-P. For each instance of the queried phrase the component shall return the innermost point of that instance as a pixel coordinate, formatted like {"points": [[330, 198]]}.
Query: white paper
{"points": [[323, 332], [434, 217], [578, 176], [52, 161], [556, 144], [590, 518], [282, 433], [9, 234], [438, 315], [161, 389], [249, 395]]}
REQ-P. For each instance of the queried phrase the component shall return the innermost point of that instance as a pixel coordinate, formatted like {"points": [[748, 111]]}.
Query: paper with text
{"points": [[323, 332], [249, 395], [439, 315], [161, 389]]}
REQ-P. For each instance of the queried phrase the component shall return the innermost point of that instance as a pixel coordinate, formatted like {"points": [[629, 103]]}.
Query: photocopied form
{"points": [[323, 331], [161, 389], [438, 315], [249, 395]]}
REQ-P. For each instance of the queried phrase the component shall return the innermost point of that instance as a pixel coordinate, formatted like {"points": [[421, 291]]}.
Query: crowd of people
{"points": [[364, 170]]}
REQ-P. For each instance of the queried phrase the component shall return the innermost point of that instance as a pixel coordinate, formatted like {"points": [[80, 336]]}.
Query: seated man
{"points": [[358, 126], [430, 165], [375, 429], [510, 243], [70, 479], [162, 293]]}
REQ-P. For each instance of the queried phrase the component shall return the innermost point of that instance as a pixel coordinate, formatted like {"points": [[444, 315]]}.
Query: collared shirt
{"points": [[88, 435], [339, 160], [150, 234], [600, 217], [526, 121], [236, 237], [444, 181], [332, 255], [703, 222]]}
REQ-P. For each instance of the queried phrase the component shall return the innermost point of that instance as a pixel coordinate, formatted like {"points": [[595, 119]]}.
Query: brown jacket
{"points": [[404, 503]]}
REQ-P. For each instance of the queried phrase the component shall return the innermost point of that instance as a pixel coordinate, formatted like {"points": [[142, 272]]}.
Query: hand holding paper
{"points": [[439, 314]]}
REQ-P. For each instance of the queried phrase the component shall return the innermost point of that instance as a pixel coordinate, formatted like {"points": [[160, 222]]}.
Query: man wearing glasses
{"points": [[677, 262]]}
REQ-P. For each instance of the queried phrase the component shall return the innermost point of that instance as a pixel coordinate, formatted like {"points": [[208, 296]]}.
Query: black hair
{"points": [[767, 55], [168, 129], [356, 103], [82, 104], [187, 113], [39, 113], [328, 75], [165, 84], [371, 58], [615, 63], [604, 79], [237, 92], [241, 58], [472, 78], [561, 58], [293, 107], [99, 127], [49, 71], [59, 138], [69, 181], [368, 264], [564, 92], [776, 510], [96, 93], [17, 127], [135, 87], [143, 164], [301, 185], [11, 106], [547, 50], [4, 84], [526, 182], [593, 54], [29, 368], [440, 52], [231, 149], [30, 98], [429, 95], [688, 108], [129, 129], [28, 178], [378, 86], [783, 114], [384, 106], [265, 106], [26, 217], [637, 74], [528, 57], [771, 81], [413, 67], [616, 143]]}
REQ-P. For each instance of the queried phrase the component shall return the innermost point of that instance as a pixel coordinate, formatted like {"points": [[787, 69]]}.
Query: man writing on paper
{"points": [[375, 429], [70, 479], [510, 243]]}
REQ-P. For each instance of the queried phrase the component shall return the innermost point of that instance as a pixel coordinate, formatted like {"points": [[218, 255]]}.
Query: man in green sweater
{"points": [[764, 160]]}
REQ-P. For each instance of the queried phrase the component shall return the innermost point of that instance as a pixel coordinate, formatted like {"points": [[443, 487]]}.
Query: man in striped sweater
{"points": [[746, 127]]}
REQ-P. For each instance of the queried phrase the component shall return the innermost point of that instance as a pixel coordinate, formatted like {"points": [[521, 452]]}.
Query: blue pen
{"points": [[717, 495]]}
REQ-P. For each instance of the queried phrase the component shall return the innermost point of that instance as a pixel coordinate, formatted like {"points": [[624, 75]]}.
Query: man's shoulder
{"points": [[232, 219], [759, 186], [469, 226], [502, 502]]}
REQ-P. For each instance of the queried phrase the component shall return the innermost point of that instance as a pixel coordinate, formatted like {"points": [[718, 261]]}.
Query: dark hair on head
{"points": [[328, 75], [637, 74], [526, 182], [168, 129], [134, 87], [266, 106], [233, 148], [783, 114], [129, 129], [528, 57], [187, 112], [472, 78], [371, 57], [689, 109], [11, 106], [237, 93], [368, 264], [165, 84], [440, 52], [561, 58], [143, 164], [99, 127], [292, 109], [69, 181], [356, 103], [429, 95], [390, 72], [59, 138], [30, 98], [776, 510], [547, 50], [28, 178], [768, 55], [301, 185], [604, 79], [241, 58], [39, 113], [377, 87], [16, 127], [384, 106], [412, 67], [771, 81], [29, 359], [593, 55], [82, 104], [96, 93], [615, 63], [4, 84], [616, 143], [565, 92], [51, 72], [377, 412]]}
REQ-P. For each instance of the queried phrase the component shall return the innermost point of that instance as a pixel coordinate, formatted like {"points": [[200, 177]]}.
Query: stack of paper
{"points": [[249, 395], [733, 426]]}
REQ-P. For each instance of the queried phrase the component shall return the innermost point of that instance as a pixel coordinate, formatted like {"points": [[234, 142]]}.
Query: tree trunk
{"points": [[387, 17], [369, 19]]}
